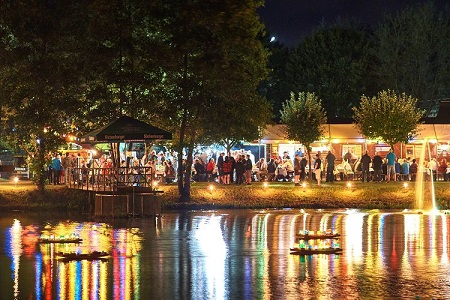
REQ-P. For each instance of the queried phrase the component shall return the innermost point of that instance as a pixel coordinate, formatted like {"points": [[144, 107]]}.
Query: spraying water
{"points": [[425, 195]]}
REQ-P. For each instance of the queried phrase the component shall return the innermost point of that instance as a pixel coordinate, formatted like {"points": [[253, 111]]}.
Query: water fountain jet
{"points": [[425, 195]]}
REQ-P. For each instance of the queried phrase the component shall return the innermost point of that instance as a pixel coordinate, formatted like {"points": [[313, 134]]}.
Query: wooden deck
{"points": [[119, 191]]}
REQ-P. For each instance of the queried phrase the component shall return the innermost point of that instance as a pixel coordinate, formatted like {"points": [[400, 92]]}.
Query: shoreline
{"points": [[277, 195]]}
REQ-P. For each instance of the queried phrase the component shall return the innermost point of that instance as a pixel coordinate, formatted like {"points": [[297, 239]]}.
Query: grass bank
{"points": [[23, 196]]}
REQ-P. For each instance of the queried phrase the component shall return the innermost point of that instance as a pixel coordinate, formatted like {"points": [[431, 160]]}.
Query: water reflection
{"points": [[228, 254]]}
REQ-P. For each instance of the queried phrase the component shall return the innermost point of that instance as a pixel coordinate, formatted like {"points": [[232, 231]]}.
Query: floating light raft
{"points": [[322, 242], [44, 239], [311, 235], [83, 256]]}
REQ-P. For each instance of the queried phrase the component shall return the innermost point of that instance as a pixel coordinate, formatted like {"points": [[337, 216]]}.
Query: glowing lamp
{"points": [[211, 187], [405, 185], [265, 184], [349, 184], [304, 184]]}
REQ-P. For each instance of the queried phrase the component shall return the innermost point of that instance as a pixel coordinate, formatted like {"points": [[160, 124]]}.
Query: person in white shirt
{"points": [[262, 169]]}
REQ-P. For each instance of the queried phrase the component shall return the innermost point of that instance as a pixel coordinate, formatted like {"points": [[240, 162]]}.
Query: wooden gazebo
{"points": [[116, 181]]}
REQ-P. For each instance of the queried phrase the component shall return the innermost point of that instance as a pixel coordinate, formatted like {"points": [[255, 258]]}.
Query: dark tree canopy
{"points": [[334, 63], [38, 84], [414, 52]]}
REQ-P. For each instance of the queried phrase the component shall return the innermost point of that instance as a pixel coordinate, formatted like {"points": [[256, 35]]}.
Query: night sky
{"points": [[289, 20]]}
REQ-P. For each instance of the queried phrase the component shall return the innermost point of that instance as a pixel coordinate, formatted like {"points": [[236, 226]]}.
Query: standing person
{"points": [[390, 165], [405, 169], [297, 169], [413, 170], [442, 169], [248, 169], [271, 169], [317, 169], [220, 166], [303, 163], [398, 169], [261, 174], [56, 169], [330, 158], [227, 164], [169, 171], [365, 164], [65, 164], [240, 170], [377, 164], [432, 167], [210, 167], [233, 168]]}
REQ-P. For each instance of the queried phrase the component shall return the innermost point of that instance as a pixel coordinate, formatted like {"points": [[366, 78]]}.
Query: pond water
{"points": [[229, 254]]}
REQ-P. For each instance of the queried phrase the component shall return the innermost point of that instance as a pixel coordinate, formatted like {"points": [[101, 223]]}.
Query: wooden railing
{"points": [[110, 179]]}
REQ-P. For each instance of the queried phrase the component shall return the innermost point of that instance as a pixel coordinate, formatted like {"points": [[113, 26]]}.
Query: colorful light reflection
{"points": [[376, 245]]}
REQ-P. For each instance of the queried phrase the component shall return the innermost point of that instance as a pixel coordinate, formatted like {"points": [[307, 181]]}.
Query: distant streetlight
{"points": [[273, 39]]}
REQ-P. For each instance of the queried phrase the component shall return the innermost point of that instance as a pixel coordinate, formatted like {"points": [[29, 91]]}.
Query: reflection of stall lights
{"points": [[211, 187], [405, 185], [304, 185], [265, 184], [349, 184], [16, 179]]}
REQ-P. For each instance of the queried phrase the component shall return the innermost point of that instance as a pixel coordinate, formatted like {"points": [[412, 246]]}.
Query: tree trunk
{"points": [[40, 168], [308, 151]]}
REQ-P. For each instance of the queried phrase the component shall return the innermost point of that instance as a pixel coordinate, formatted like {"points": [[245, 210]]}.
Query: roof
{"points": [[126, 129], [443, 114], [276, 134]]}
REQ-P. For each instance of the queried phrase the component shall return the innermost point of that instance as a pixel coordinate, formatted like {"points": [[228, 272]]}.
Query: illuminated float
{"points": [[50, 239], [94, 255], [310, 235], [320, 242]]}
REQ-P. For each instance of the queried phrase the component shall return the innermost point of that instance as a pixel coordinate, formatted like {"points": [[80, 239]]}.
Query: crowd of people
{"points": [[82, 167], [240, 167], [391, 168]]}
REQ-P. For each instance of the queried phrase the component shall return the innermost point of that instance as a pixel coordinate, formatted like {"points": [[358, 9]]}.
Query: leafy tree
{"points": [[119, 60], [334, 62], [213, 57], [37, 79], [239, 122], [413, 52], [304, 118], [390, 117]]}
